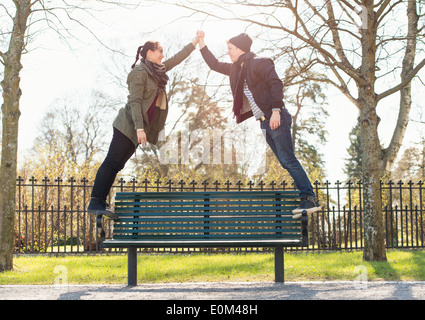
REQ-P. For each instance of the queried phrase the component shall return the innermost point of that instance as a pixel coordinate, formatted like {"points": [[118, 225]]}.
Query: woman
{"points": [[140, 121]]}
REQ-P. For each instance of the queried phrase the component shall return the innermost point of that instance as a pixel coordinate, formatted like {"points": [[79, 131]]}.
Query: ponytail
{"points": [[143, 50], [137, 56]]}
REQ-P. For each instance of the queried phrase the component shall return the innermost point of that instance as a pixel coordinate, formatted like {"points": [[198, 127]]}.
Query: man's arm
{"points": [[211, 60], [267, 71]]}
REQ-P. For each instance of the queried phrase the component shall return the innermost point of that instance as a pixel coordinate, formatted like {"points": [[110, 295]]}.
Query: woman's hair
{"points": [[143, 50]]}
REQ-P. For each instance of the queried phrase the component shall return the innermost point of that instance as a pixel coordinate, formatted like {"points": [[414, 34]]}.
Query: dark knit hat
{"points": [[242, 41]]}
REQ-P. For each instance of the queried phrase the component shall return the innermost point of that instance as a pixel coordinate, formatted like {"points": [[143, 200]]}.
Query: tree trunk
{"points": [[377, 162], [10, 121], [374, 236]]}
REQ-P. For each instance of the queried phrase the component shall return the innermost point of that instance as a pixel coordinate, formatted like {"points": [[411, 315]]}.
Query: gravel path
{"points": [[328, 290]]}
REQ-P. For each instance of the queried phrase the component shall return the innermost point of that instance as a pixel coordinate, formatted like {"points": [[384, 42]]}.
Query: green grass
{"points": [[341, 266]]}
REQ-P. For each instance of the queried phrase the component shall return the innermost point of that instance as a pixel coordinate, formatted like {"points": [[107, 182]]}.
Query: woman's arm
{"points": [[136, 86], [181, 56]]}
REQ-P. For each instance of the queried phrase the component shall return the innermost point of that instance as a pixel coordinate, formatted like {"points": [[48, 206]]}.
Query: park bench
{"points": [[230, 219]]}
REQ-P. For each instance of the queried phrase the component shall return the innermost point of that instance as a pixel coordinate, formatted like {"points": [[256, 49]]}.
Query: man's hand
{"points": [[201, 36], [141, 137], [275, 120]]}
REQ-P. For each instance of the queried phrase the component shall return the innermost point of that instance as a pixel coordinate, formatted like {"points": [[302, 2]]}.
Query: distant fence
{"points": [[51, 215]]}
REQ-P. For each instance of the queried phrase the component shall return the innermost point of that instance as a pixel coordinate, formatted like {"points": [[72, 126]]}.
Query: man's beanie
{"points": [[242, 41]]}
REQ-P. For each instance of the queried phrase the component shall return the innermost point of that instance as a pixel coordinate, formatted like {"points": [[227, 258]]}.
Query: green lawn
{"points": [[342, 266]]}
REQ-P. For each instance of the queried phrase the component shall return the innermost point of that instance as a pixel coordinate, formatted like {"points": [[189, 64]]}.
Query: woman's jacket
{"points": [[143, 87]]}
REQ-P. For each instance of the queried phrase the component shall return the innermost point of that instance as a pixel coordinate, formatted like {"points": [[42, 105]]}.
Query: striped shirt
{"points": [[254, 107]]}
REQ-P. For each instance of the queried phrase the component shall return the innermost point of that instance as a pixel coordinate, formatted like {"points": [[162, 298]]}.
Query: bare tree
{"points": [[357, 46], [80, 124], [10, 112], [26, 20]]}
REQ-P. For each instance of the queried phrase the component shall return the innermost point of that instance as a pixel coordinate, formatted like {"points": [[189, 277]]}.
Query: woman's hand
{"points": [[141, 137]]}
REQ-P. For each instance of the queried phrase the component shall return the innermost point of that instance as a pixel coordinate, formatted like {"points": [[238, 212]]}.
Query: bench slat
{"points": [[190, 202], [190, 230], [202, 237], [199, 209], [259, 215], [184, 243], [205, 219], [204, 225], [207, 194]]}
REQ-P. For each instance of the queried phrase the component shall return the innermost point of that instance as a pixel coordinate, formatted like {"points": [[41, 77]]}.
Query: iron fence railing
{"points": [[51, 215]]}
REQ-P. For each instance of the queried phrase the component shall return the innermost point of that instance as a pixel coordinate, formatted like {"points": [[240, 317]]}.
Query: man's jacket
{"points": [[261, 78]]}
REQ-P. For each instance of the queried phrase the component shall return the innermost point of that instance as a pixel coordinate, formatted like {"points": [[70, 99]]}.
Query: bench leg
{"points": [[132, 267], [278, 264]]}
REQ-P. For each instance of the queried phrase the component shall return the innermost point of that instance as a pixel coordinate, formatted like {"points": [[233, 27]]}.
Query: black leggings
{"points": [[120, 151]]}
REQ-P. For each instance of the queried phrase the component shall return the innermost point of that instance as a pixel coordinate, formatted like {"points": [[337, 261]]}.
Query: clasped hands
{"points": [[200, 35]]}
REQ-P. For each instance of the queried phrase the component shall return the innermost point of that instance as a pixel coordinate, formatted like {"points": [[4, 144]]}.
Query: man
{"points": [[258, 91]]}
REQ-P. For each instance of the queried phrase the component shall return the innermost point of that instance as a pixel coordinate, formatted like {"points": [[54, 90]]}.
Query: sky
{"points": [[52, 70]]}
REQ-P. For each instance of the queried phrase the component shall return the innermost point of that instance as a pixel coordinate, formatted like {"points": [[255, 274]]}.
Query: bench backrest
{"points": [[206, 215]]}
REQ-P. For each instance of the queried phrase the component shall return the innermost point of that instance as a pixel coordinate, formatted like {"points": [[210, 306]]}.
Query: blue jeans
{"points": [[280, 141]]}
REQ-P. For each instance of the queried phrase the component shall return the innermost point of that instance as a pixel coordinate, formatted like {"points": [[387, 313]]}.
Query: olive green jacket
{"points": [[143, 87]]}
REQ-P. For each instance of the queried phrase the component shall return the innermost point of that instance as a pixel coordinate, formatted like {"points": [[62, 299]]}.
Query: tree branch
{"points": [[382, 14], [336, 38], [382, 8], [403, 83], [349, 5]]}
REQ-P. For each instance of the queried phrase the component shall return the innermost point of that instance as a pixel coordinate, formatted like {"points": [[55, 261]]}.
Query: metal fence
{"points": [[51, 216]]}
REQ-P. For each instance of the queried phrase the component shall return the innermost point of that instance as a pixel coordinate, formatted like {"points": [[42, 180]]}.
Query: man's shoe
{"points": [[308, 204], [97, 207]]}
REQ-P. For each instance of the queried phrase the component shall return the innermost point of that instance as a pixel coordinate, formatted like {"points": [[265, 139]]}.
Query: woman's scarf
{"points": [[159, 74]]}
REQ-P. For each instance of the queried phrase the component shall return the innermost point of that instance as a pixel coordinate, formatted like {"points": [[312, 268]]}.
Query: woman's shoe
{"points": [[97, 207]]}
